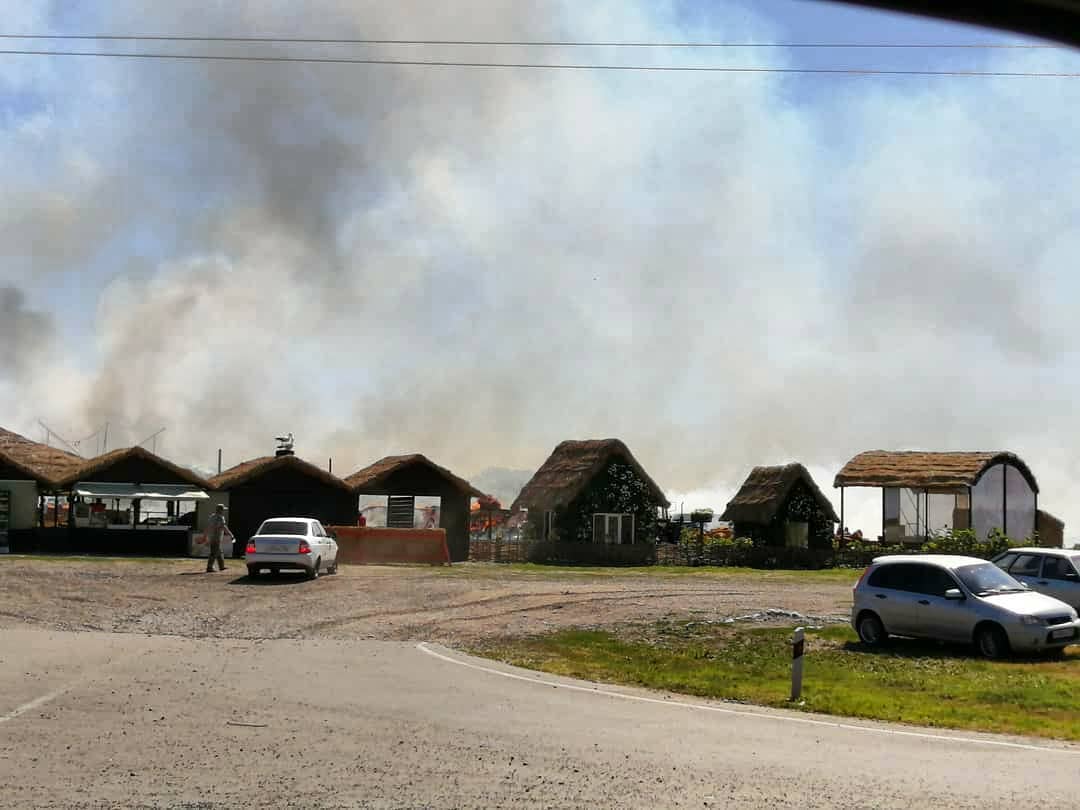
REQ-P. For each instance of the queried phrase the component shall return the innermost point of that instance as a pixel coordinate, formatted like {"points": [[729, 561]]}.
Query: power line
{"points": [[538, 43], [543, 66]]}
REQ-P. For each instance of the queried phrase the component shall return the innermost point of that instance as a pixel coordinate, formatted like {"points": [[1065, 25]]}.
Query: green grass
{"points": [[910, 682], [92, 558], [719, 572]]}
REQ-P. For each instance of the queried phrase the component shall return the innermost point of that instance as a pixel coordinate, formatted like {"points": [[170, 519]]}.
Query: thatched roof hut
{"points": [[925, 470], [38, 461], [402, 478], [374, 478], [256, 467], [136, 464], [765, 492], [571, 467]]}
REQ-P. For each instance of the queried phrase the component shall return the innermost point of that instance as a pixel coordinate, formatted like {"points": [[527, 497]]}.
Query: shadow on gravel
{"points": [[918, 648], [271, 579]]}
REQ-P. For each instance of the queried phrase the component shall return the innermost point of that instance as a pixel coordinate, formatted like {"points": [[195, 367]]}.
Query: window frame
{"points": [[619, 532], [1064, 562], [1038, 570]]}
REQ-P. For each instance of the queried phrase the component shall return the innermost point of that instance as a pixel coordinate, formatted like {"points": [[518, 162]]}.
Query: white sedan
{"points": [[291, 544]]}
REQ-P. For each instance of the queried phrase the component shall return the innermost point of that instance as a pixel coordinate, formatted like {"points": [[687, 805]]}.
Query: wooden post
{"points": [[843, 536]]}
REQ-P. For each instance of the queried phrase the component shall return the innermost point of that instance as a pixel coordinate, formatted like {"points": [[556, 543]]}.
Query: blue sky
{"points": [[723, 270]]}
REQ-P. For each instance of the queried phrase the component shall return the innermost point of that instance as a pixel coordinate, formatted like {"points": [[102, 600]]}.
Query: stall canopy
{"points": [[150, 492]]}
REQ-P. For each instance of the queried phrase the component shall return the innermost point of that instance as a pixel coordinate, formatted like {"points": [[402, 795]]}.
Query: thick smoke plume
{"points": [[720, 270]]}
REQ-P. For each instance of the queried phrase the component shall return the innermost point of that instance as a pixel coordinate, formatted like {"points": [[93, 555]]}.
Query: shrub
{"points": [[967, 543]]}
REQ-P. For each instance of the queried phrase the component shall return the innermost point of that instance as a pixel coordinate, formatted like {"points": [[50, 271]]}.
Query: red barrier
{"points": [[371, 546]]}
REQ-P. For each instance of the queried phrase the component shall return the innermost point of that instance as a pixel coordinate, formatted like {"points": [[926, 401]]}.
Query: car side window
{"points": [[316, 530], [933, 581], [1006, 561], [1057, 568], [1026, 565], [881, 577], [904, 577]]}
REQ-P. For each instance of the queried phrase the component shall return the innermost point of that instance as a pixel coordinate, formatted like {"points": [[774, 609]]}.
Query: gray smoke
{"points": [[25, 333], [478, 264]]}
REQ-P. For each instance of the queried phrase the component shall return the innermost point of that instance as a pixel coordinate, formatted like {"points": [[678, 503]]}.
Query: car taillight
{"points": [[304, 548], [250, 547], [862, 577]]}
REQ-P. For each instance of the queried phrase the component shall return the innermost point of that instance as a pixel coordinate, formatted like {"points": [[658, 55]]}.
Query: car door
{"points": [[1060, 580], [319, 538], [1027, 569], [331, 547], [890, 593], [938, 617]]}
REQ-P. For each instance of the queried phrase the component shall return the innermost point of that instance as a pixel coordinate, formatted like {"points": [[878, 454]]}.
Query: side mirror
{"points": [[1072, 575], [954, 594]]}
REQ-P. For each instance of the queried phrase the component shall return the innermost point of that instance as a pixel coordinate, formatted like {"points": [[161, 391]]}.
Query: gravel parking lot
{"points": [[462, 604]]}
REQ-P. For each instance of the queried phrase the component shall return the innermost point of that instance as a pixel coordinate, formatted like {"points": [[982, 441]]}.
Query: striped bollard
{"points": [[797, 642]]}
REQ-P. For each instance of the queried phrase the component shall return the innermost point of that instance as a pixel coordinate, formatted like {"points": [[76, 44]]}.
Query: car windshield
{"points": [[986, 578], [1075, 558], [284, 527]]}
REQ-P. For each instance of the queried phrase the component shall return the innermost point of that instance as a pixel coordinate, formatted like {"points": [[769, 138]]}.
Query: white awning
{"points": [[151, 492]]}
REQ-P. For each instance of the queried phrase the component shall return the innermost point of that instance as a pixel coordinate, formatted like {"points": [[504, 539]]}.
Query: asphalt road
{"points": [[115, 720]]}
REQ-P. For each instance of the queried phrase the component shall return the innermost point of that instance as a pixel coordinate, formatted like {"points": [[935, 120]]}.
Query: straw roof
{"points": [[922, 470], [570, 468], [89, 468], [248, 470], [374, 476], [39, 461], [766, 490]]}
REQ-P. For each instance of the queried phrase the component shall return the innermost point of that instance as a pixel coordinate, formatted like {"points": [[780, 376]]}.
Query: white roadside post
{"points": [[796, 663]]}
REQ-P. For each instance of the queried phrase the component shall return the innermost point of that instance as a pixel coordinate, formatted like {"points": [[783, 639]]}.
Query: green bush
{"points": [[967, 543]]}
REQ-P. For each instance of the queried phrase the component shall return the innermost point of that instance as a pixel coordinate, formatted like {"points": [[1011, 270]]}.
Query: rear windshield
{"points": [[987, 578], [284, 527]]}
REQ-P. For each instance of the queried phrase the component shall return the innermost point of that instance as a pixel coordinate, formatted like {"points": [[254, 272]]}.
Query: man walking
{"points": [[215, 533]]}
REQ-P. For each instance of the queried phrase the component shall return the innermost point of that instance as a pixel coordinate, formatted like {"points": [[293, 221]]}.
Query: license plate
{"points": [[1065, 632], [277, 549]]}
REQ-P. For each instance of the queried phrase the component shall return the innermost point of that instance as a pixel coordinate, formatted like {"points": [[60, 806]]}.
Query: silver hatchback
{"points": [[958, 599]]}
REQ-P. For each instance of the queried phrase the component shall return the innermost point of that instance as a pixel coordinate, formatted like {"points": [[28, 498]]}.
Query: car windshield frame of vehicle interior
{"points": [[968, 574], [288, 527]]}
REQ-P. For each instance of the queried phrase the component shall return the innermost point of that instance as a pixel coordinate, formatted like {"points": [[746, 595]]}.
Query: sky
{"points": [[723, 270]]}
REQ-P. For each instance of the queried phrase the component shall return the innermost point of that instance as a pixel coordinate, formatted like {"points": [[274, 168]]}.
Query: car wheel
{"points": [[991, 642], [253, 571], [871, 630], [313, 572]]}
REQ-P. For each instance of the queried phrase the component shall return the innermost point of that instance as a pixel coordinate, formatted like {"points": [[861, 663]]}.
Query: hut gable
{"points": [[571, 467], [379, 478], [925, 470], [131, 465], [272, 466], [766, 491], [12, 470], [36, 460]]}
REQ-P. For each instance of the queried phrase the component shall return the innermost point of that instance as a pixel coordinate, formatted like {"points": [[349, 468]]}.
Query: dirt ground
{"points": [[465, 604]]}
